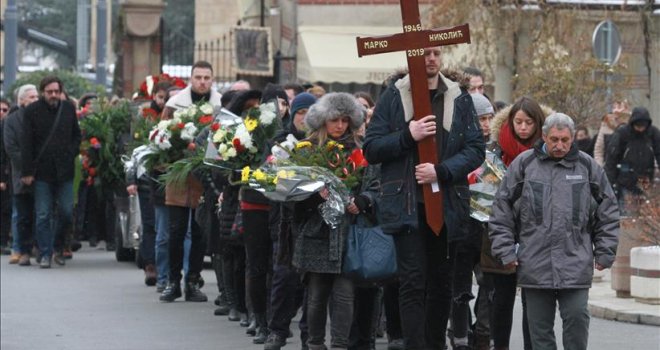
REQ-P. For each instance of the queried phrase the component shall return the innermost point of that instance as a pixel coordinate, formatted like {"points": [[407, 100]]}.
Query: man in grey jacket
{"points": [[23, 199], [555, 217]]}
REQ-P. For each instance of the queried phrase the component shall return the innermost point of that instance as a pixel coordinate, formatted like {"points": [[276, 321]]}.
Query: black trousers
{"points": [[392, 315], [233, 274], [366, 302], [467, 255], [181, 220], [501, 310], [148, 239], [258, 248], [5, 216], [425, 263]]}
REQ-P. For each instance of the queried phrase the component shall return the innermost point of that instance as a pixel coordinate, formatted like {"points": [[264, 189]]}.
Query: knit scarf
{"points": [[511, 147]]}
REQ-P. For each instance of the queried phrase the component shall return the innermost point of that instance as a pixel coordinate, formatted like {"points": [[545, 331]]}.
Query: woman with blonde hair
{"points": [[319, 249]]}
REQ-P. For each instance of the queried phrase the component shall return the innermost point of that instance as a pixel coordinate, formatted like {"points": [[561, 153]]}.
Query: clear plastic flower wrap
{"points": [[484, 183], [288, 182]]}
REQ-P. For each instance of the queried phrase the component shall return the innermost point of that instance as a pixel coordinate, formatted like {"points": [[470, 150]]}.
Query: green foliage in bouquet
{"points": [[104, 132], [347, 165]]}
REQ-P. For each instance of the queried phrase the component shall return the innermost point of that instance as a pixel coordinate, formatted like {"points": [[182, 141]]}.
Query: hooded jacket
{"points": [[631, 154], [563, 213], [389, 142], [499, 126]]}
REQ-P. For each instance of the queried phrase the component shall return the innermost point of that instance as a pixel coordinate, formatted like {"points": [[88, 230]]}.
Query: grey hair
{"points": [[24, 89], [558, 121]]}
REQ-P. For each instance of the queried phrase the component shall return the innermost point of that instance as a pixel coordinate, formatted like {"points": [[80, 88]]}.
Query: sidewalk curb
{"points": [[604, 312]]}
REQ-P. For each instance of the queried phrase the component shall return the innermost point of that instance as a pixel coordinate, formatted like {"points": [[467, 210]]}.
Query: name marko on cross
{"points": [[413, 41]]}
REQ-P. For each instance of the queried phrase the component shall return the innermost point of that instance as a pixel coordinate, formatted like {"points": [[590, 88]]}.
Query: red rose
{"points": [[215, 126], [237, 145], [91, 171], [205, 119], [94, 141], [90, 181], [181, 125], [191, 146]]}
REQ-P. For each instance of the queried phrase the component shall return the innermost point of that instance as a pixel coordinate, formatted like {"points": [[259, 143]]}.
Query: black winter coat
{"points": [[56, 162], [389, 142]]}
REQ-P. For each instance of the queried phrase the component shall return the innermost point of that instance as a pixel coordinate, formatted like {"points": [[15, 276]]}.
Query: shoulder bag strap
{"points": [[52, 132]]}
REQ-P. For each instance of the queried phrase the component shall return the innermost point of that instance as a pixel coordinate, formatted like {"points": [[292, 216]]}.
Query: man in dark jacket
{"points": [[632, 153], [424, 259], [23, 199], [51, 141], [555, 217]]}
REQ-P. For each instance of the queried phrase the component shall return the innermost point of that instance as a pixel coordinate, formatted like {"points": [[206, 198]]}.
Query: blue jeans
{"points": [[162, 224], [49, 197]]}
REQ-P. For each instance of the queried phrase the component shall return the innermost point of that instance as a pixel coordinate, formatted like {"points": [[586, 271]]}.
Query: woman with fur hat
{"points": [[319, 249]]}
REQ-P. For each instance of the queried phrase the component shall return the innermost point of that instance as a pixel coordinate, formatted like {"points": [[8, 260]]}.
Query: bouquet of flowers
{"points": [[236, 143], [102, 132], [146, 88], [484, 183], [345, 165], [308, 169], [172, 141]]}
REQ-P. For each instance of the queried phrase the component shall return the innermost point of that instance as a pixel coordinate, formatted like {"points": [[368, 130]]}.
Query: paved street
{"points": [[97, 303]]}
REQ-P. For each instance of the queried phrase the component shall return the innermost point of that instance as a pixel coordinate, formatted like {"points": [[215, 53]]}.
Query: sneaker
{"points": [[274, 342], [59, 259], [24, 260], [44, 262], [160, 287], [14, 257]]}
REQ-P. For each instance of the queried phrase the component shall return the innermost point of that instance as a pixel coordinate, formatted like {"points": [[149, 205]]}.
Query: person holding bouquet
{"points": [[182, 200], [515, 129], [319, 249]]}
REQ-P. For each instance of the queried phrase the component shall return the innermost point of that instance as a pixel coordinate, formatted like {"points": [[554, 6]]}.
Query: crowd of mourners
{"points": [[554, 218]]}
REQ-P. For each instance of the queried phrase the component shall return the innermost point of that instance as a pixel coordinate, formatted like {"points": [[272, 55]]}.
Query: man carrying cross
{"points": [[425, 258]]}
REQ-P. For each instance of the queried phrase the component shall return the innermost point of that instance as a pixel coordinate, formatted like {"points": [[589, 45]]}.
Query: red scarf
{"points": [[511, 147]]}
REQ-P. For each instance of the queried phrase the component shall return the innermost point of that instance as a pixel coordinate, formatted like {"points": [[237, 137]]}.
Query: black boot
{"points": [[262, 329], [223, 305], [192, 291], [171, 292]]}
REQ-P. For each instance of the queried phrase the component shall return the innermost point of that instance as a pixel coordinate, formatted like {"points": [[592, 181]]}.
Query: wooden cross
{"points": [[413, 40]]}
